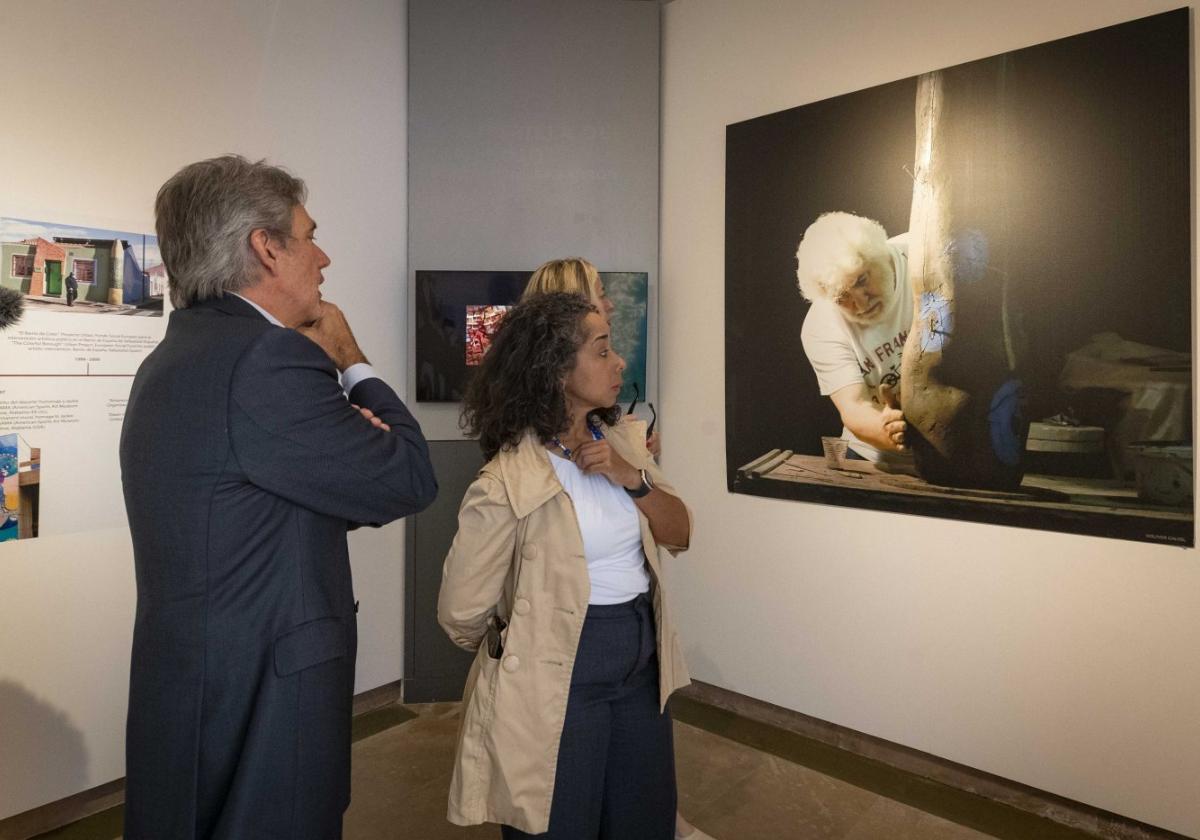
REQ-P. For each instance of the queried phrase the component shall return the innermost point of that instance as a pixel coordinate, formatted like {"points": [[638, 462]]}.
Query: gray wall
{"points": [[533, 133], [434, 669]]}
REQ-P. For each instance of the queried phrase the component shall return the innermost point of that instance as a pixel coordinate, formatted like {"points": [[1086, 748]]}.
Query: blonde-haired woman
{"points": [[577, 276], [573, 276]]}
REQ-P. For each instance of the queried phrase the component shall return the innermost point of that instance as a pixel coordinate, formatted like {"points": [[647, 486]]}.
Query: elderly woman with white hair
{"points": [[854, 332]]}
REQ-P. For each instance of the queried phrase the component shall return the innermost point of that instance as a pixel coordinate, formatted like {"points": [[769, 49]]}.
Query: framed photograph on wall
{"points": [[457, 312], [71, 269], [968, 294]]}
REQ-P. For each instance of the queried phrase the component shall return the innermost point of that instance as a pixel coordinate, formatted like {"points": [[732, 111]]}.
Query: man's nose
{"points": [[862, 300]]}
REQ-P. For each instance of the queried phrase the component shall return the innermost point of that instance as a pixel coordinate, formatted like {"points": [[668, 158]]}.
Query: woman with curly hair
{"points": [[577, 276], [554, 580]]}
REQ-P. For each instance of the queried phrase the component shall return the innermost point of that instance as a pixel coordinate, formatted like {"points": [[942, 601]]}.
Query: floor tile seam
{"points": [[733, 793], [746, 771], [737, 796]]}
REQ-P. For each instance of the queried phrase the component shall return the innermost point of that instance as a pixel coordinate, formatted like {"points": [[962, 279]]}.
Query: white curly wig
{"points": [[837, 246]]}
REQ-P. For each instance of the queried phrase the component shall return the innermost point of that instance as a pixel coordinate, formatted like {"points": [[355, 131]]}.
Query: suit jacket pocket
{"points": [[310, 644]]}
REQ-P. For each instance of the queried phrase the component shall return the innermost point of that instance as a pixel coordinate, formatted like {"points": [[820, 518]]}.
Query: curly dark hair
{"points": [[519, 384]]}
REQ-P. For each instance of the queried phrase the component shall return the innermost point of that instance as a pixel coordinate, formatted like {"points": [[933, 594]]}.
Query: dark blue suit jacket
{"points": [[243, 465]]}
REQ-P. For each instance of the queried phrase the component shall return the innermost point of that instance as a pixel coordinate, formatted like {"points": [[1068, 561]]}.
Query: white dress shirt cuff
{"points": [[355, 374]]}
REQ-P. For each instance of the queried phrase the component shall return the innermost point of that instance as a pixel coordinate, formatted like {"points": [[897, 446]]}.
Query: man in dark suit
{"points": [[244, 462]]}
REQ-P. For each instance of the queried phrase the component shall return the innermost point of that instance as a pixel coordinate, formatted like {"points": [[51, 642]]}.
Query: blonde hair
{"points": [[572, 275], [836, 246]]}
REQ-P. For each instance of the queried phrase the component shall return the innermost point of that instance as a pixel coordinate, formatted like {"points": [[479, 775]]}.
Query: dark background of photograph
{"points": [[1071, 156], [441, 319]]}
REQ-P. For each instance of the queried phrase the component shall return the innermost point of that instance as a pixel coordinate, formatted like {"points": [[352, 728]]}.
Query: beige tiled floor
{"points": [[734, 792], [402, 778]]}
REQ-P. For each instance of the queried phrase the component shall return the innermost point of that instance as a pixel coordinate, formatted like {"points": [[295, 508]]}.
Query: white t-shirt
{"points": [[843, 353], [612, 534]]}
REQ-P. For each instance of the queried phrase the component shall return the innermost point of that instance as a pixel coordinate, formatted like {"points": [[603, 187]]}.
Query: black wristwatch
{"points": [[644, 488]]}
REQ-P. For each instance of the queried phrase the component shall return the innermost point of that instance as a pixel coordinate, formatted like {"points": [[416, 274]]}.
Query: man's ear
{"points": [[265, 248]]}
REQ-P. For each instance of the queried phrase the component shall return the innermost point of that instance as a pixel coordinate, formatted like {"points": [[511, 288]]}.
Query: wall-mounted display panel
{"points": [[80, 307], [70, 269]]}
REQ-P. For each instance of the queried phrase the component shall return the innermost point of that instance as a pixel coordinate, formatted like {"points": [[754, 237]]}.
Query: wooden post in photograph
{"points": [[964, 430]]}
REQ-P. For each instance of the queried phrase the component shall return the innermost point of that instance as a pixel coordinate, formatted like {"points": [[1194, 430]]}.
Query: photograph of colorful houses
{"points": [[20, 482], [71, 269]]}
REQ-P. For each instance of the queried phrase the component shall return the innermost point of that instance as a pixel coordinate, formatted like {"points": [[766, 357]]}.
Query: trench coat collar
{"points": [[529, 477]]}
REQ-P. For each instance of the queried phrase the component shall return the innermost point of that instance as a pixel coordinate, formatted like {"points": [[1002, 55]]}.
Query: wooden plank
{"points": [[1078, 495]]}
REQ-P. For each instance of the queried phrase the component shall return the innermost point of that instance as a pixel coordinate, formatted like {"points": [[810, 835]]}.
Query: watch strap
{"points": [[643, 489]]}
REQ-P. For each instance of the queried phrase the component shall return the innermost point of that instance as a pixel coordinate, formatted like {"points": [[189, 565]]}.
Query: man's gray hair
{"points": [[204, 216]]}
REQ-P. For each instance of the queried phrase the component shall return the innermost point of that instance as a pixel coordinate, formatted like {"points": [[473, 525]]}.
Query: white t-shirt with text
{"points": [[843, 353]]}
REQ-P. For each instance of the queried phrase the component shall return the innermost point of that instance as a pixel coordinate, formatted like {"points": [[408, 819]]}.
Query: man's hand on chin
{"points": [[331, 332]]}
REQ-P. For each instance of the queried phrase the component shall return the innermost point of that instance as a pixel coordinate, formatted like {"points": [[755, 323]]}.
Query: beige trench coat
{"points": [[519, 554]]}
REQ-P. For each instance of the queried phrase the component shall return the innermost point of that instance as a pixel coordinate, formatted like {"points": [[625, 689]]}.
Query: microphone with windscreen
{"points": [[12, 307]]}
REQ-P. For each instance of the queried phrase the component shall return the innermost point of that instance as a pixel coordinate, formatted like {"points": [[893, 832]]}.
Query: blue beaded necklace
{"points": [[596, 435]]}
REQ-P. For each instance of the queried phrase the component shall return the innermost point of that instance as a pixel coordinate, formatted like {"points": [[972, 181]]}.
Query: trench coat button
{"points": [[511, 663], [522, 607], [530, 552]]}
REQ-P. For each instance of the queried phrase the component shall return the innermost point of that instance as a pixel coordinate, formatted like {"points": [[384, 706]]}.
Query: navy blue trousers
{"points": [[616, 760]]}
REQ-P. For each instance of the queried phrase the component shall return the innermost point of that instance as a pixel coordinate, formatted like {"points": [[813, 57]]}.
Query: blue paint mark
{"points": [[1005, 422], [969, 253], [938, 321]]}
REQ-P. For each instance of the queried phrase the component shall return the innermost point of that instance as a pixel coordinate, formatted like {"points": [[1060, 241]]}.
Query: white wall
{"points": [[1063, 662], [113, 98]]}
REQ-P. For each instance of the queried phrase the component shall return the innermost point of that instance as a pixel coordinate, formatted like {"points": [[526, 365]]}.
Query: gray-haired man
{"points": [[854, 332], [244, 463]]}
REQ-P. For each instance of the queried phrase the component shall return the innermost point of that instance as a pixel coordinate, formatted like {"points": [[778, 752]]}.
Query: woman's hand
{"points": [[666, 514], [654, 444], [596, 456]]}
